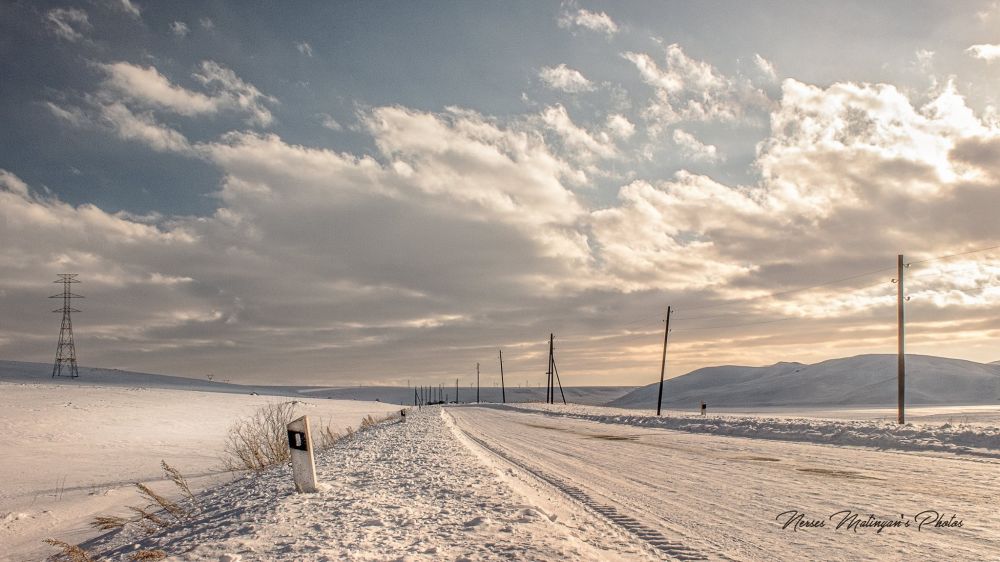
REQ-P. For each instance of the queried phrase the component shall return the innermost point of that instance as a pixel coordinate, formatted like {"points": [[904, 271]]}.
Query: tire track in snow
{"points": [[636, 528]]}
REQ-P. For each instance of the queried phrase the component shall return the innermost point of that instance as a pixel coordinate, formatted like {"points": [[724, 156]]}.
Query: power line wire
{"points": [[955, 255]]}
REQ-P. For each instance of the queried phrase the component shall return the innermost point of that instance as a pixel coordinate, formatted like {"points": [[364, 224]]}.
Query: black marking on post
{"points": [[297, 440]]}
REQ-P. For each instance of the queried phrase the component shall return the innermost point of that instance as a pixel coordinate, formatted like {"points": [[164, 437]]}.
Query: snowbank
{"points": [[977, 440]]}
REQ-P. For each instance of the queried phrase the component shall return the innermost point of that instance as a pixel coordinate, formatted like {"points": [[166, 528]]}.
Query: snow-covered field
{"points": [[70, 452], [500, 482]]}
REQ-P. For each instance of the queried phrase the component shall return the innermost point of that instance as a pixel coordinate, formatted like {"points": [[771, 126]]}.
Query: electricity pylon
{"points": [[66, 351]]}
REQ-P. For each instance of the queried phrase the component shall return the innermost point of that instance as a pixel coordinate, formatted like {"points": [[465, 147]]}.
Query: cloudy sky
{"points": [[340, 193]]}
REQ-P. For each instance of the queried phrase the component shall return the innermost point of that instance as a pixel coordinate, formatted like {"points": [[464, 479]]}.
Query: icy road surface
{"points": [[698, 495]]}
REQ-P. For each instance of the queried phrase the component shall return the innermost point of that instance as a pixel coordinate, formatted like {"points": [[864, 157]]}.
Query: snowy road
{"points": [[697, 495]]}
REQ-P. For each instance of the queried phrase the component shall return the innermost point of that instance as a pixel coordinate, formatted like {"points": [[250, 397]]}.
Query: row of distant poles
{"points": [[65, 364], [436, 395], [901, 341]]}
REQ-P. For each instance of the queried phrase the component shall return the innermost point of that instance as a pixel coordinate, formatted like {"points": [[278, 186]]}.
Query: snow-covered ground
{"points": [[484, 482], [492, 483], [979, 439], [715, 496], [69, 452], [400, 491]]}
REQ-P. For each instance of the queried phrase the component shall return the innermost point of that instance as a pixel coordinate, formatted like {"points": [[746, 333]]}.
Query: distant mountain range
{"points": [[859, 380]]}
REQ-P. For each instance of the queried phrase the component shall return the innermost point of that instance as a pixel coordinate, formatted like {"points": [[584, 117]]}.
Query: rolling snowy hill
{"points": [[860, 380], [23, 372]]}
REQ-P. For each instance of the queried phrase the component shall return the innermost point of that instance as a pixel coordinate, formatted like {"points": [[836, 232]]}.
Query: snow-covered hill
{"points": [[859, 380], [23, 372]]}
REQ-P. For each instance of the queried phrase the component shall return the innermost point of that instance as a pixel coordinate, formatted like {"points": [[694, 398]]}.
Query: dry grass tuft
{"points": [[146, 517], [109, 522], [368, 422], [178, 479], [147, 555], [328, 437], [70, 552], [176, 511], [149, 521]]}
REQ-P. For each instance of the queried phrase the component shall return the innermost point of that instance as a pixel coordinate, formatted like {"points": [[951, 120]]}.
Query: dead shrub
{"points": [[259, 441]]}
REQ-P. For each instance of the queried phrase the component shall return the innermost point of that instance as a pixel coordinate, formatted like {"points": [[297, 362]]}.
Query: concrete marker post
{"points": [[301, 448]]}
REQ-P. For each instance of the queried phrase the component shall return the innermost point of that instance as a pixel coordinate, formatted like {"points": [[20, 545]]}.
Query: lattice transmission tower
{"points": [[66, 352]]}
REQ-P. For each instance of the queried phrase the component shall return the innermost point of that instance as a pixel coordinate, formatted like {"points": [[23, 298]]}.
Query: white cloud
{"points": [[12, 183], [180, 29], [656, 237], [988, 12], [765, 66], [459, 219], [146, 86], [694, 149], [128, 7], [234, 92], [72, 115], [581, 145], [68, 23], [117, 118], [620, 127], [304, 48], [566, 79], [693, 90], [987, 52], [144, 128], [207, 24], [327, 121], [594, 21]]}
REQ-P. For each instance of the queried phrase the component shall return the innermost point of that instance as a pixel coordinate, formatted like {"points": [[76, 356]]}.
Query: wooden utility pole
{"points": [[663, 362], [549, 394], [456, 391], [900, 300], [503, 389], [477, 383]]}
